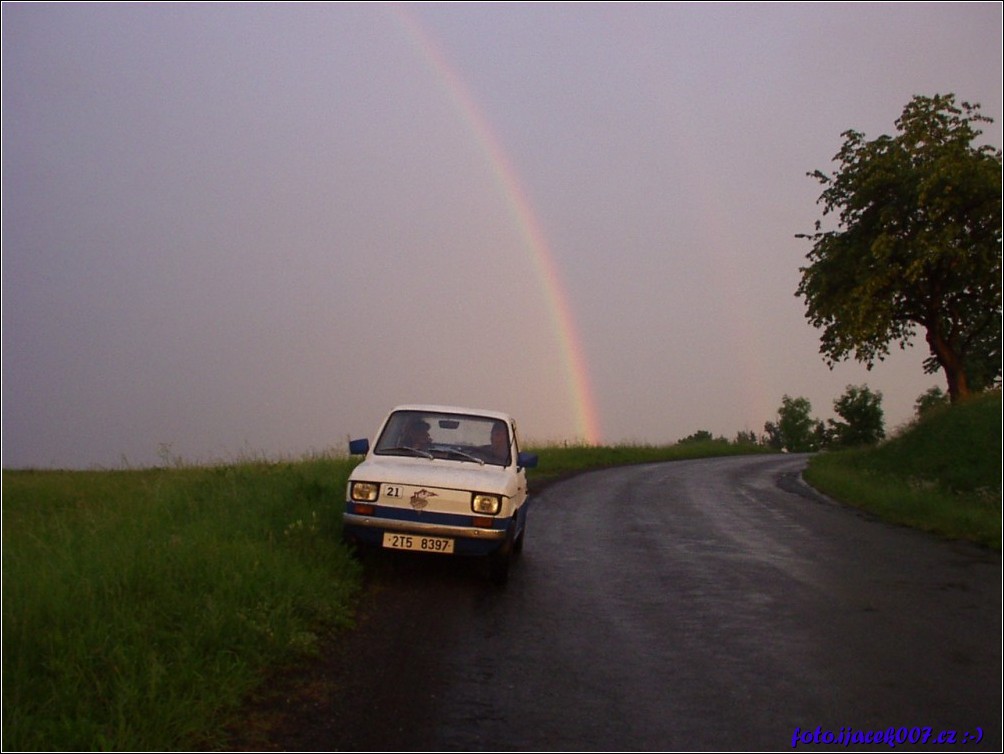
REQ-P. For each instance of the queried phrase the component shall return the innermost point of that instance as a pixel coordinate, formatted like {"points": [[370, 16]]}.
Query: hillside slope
{"points": [[942, 474]]}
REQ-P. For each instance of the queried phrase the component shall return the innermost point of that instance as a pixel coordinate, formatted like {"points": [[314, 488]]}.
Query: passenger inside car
{"points": [[499, 449], [416, 435]]}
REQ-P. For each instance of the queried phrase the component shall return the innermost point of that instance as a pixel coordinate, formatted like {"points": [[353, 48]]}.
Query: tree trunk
{"points": [[951, 362]]}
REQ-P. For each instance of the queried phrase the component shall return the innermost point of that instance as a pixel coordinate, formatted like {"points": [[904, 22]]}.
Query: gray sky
{"points": [[249, 230]]}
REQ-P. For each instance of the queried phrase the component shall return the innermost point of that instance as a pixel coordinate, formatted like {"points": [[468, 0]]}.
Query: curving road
{"points": [[712, 604]]}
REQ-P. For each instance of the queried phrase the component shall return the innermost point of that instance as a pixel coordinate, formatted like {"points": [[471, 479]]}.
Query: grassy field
{"points": [[942, 475], [140, 607], [557, 461]]}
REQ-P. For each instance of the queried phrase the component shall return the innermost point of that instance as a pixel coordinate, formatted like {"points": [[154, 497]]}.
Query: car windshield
{"points": [[458, 437]]}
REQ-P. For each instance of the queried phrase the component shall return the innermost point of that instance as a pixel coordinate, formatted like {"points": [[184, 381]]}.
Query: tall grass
{"points": [[942, 475], [139, 606]]}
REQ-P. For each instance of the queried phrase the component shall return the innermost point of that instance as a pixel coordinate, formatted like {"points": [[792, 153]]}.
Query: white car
{"points": [[441, 479]]}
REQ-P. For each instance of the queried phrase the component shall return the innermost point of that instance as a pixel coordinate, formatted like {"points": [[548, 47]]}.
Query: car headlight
{"points": [[486, 504], [365, 492]]}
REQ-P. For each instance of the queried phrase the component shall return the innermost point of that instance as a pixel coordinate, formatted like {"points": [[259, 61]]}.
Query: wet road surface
{"points": [[712, 604]]}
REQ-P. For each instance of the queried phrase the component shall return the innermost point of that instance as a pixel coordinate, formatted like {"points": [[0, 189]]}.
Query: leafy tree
{"points": [[795, 430], [746, 437], [917, 246], [701, 435], [772, 436], [863, 421], [932, 399]]}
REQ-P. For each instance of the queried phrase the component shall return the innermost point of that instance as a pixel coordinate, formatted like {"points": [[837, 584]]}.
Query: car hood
{"points": [[441, 473]]}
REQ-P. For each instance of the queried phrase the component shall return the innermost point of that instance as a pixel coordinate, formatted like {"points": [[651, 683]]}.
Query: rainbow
{"points": [[583, 401]]}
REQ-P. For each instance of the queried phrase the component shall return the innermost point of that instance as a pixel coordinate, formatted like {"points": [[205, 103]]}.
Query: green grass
{"points": [[141, 606], [943, 474], [559, 461]]}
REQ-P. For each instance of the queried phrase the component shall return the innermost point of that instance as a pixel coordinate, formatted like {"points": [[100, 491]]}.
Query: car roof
{"points": [[435, 409]]}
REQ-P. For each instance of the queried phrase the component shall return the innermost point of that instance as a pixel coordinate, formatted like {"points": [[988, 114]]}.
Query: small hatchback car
{"points": [[442, 480]]}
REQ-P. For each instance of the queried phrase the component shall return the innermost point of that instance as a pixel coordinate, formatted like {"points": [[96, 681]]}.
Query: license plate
{"points": [[417, 543]]}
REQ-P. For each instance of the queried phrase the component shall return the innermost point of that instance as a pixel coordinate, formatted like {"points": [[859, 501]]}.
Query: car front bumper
{"points": [[468, 539], [378, 524]]}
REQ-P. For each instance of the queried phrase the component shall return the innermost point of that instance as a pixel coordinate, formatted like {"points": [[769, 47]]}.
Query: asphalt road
{"points": [[700, 605]]}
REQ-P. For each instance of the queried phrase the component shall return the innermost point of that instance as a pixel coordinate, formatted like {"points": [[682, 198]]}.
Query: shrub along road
{"points": [[712, 604]]}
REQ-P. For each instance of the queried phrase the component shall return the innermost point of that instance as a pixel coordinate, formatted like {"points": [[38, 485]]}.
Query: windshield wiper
{"points": [[462, 454], [416, 451]]}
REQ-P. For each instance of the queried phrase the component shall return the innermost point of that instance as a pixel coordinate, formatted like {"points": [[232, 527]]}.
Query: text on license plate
{"points": [[416, 542]]}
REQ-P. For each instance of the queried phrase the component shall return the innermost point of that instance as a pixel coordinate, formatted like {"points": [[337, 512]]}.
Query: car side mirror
{"points": [[359, 447], [527, 460]]}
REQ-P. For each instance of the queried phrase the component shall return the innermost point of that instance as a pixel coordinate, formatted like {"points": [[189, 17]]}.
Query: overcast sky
{"points": [[237, 231]]}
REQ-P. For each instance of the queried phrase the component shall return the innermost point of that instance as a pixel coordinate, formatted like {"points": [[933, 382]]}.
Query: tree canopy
{"points": [[795, 430], [863, 419], [917, 245]]}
